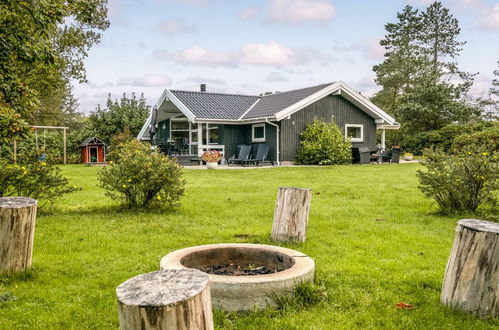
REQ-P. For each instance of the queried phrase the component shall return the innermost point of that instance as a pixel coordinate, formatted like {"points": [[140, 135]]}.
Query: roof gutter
{"points": [[278, 152]]}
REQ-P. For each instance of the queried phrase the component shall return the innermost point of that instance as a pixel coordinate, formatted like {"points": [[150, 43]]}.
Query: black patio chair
{"points": [[364, 155], [262, 155], [392, 156], [243, 156]]}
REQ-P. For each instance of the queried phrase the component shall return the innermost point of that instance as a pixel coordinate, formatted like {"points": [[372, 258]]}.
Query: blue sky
{"points": [[255, 46]]}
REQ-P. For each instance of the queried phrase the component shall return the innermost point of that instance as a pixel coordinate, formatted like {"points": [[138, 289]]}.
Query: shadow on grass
{"points": [[24, 276], [108, 210]]}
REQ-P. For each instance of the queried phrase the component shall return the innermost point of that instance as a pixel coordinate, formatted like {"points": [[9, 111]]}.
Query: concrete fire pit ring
{"points": [[243, 293]]}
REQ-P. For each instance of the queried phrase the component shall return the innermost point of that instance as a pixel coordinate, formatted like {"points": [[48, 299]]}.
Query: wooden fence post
{"points": [[291, 214], [471, 280], [167, 299], [17, 231]]}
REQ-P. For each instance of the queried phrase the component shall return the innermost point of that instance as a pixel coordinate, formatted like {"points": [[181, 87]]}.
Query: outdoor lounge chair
{"points": [[365, 155], [262, 155], [392, 156], [243, 156]]}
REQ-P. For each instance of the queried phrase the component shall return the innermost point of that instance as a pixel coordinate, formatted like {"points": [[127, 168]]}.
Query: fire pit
{"points": [[244, 276]]}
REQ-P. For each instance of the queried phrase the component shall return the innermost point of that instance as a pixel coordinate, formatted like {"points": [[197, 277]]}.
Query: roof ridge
{"points": [[213, 93], [297, 89]]}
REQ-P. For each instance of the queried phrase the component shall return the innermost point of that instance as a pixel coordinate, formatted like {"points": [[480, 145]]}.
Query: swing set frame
{"points": [[36, 128]]}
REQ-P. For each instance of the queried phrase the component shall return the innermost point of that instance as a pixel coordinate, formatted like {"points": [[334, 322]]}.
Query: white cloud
{"points": [[249, 13], [176, 27], [259, 54], [370, 48], [203, 80], [299, 12], [93, 84], [275, 77], [151, 80], [198, 56], [490, 18]]}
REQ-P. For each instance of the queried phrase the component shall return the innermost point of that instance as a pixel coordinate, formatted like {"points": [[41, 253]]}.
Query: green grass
{"points": [[375, 239]]}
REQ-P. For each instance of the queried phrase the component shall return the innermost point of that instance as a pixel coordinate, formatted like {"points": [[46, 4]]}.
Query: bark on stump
{"points": [[471, 280], [291, 214], [166, 299], [17, 231]]}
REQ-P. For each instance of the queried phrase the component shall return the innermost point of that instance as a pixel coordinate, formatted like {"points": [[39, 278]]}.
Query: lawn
{"points": [[375, 239]]}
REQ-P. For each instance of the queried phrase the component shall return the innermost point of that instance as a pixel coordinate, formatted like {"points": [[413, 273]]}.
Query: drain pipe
{"points": [[277, 138]]}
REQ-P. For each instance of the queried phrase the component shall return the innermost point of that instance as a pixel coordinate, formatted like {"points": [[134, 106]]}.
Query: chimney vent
{"points": [[203, 88]]}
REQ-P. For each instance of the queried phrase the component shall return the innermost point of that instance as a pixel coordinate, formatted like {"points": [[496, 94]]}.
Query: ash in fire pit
{"points": [[238, 270]]}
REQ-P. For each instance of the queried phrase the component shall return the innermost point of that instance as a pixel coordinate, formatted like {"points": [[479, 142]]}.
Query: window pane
{"points": [[194, 136], [180, 125], [353, 132], [213, 134], [259, 132]]}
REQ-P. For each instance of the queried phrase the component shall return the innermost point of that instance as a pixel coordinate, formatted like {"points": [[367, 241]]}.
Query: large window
{"points": [[258, 133], [210, 134], [354, 132]]}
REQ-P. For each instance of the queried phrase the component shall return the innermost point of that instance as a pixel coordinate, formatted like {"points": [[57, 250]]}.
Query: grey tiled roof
{"points": [[271, 104], [233, 106], [215, 105]]}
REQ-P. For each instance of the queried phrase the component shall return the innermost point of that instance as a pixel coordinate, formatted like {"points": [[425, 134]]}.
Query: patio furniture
{"points": [[243, 156], [261, 155], [392, 156], [364, 155]]}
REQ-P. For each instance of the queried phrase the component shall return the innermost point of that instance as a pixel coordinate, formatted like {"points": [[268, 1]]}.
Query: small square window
{"points": [[354, 132], [258, 133]]}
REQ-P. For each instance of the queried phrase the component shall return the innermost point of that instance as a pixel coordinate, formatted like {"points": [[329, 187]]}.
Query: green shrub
{"points": [[323, 144], [460, 182], [139, 177], [39, 180], [484, 141]]}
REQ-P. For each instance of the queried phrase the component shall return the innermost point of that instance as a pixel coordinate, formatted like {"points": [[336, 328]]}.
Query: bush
{"points": [[460, 182], [39, 180], [323, 144], [139, 177], [484, 141]]}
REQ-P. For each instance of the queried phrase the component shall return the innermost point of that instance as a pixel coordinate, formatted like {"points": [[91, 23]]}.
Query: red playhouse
{"points": [[93, 151]]}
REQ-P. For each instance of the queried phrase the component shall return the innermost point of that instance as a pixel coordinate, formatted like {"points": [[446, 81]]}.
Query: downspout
{"points": [[277, 138]]}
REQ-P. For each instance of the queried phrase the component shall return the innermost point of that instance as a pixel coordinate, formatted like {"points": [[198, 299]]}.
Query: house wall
{"points": [[161, 133], [234, 135], [333, 107]]}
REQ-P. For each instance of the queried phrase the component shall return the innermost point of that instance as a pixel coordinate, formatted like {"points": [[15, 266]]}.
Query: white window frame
{"points": [[253, 139], [361, 139]]}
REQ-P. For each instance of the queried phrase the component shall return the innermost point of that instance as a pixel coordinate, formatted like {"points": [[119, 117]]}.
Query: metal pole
{"points": [[64, 130]]}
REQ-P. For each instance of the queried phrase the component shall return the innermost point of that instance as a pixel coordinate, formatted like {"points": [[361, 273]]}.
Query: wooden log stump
{"points": [[17, 231], [166, 299], [291, 214], [471, 281]]}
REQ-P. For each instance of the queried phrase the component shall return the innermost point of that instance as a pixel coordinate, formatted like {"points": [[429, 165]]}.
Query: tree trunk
{"points": [[291, 214], [167, 299], [471, 281], [17, 231]]}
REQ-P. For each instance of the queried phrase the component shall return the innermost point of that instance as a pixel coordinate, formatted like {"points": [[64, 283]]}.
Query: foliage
{"points": [[422, 84], [127, 112], [486, 140], [460, 182], [43, 44], [139, 177], [211, 156], [12, 126], [39, 180], [323, 143], [442, 138]]}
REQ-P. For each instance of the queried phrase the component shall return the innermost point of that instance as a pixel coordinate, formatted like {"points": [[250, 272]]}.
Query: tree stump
{"points": [[471, 281], [17, 231], [291, 214], [166, 299]]}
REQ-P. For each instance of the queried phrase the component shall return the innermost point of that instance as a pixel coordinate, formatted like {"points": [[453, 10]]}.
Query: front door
{"points": [[93, 154]]}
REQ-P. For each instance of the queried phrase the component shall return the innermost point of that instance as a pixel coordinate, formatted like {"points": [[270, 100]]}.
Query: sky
{"points": [[251, 47]]}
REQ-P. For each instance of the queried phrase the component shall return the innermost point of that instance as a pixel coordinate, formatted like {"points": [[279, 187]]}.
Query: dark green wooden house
{"points": [[191, 122]]}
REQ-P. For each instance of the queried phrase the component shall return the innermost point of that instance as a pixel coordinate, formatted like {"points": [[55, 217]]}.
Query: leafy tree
{"points": [[422, 85], [127, 112], [43, 44]]}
